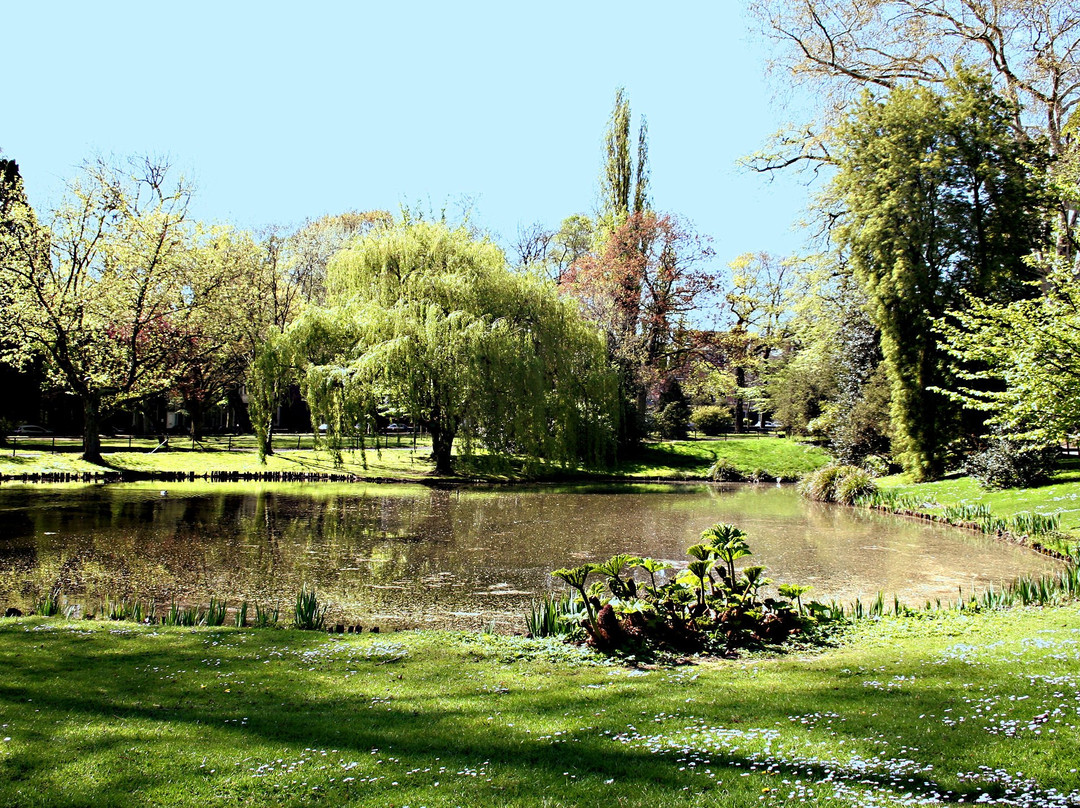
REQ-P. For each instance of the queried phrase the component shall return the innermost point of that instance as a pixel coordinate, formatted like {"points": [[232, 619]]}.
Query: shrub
{"points": [[855, 483], [711, 420], [724, 471], [1008, 463], [837, 483], [820, 485]]}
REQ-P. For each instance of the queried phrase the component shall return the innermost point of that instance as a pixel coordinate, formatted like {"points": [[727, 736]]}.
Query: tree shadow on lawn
{"points": [[648, 457], [123, 692]]}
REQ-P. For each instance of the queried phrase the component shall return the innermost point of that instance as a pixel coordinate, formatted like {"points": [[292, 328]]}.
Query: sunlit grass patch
{"points": [[911, 711], [751, 458]]}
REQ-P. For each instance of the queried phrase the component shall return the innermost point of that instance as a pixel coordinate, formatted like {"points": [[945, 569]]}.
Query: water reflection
{"points": [[410, 555]]}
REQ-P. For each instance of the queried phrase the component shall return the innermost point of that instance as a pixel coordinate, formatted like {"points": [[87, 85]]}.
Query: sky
{"points": [[282, 112]]}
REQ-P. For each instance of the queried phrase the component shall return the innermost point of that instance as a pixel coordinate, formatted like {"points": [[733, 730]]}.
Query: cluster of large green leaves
{"points": [[708, 603]]}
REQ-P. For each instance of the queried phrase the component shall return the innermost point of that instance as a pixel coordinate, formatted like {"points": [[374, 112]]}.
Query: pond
{"points": [[407, 556]]}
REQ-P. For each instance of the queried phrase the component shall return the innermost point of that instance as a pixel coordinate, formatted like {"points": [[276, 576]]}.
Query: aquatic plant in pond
{"points": [[707, 605], [129, 609], [183, 615], [554, 616], [266, 616], [309, 614], [215, 613], [576, 578], [49, 605]]}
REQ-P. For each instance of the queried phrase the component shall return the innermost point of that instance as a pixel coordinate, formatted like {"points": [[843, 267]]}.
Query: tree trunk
{"points": [[442, 442], [195, 413], [740, 383], [264, 433], [91, 424]]}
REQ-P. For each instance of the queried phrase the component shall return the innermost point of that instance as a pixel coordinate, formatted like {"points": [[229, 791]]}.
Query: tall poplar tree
{"points": [[624, 183]]}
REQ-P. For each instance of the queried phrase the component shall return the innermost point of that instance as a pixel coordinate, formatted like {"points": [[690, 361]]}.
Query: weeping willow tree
{"points": [[425, 320]]}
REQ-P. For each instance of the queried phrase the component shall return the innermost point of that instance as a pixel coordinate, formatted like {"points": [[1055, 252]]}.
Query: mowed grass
{"points": [[396, 463], [776, 457], [956, 707], [1060, 495]]}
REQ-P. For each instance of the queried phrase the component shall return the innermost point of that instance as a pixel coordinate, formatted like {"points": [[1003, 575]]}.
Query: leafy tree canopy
{"points": [[428, 321], [107, 292], [943, 202]]}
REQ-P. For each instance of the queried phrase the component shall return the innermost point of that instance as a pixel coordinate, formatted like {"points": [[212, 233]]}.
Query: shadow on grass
{"points": [[123, 700], [649, 457]]}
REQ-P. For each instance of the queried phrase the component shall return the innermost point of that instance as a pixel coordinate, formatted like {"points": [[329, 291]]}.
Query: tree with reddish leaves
{"points": [[640, 288]]}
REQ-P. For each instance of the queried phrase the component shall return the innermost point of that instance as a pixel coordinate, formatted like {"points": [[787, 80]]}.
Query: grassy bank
{"points": [[751, 457], [974, 707], [775, 457], [1060, 495]]}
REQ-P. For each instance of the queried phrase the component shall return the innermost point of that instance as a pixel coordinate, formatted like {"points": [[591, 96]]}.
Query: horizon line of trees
{"points": [[120, 299], [937, 320]]}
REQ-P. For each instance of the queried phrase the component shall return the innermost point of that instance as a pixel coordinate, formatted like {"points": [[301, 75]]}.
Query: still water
{"points": [[401, 556]]}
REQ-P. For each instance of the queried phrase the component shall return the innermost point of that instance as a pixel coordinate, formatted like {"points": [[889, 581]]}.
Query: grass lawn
{"points": [[981, 708], [1060, 495], [396, 463], [670, 460], [776, 457]]}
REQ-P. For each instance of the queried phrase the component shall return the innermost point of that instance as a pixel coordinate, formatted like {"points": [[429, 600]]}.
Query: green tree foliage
{"points": [[1019, 357], [307, 251], [624, 184], [830, 381], [554, 252], [800, 387], [257, 293], [107, 291], [1023, 356], [942, 201], [23, 242], [427, 320], [758, 302]]}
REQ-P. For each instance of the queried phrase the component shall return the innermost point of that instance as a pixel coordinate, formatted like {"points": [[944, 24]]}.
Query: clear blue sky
{"points": [[282, 112]]}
